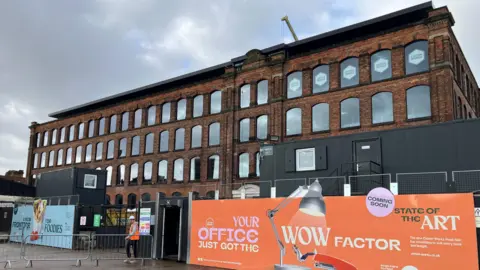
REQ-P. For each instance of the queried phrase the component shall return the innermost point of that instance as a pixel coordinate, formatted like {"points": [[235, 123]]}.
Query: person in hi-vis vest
{"points": [[132, 238]]}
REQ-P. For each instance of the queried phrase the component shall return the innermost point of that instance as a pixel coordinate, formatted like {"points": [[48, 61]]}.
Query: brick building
{"points": [[203, 129]]}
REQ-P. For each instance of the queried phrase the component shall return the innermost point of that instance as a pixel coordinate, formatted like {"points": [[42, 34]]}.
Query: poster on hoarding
{"points": [[145, 221], [413, 232], [44, 225]]}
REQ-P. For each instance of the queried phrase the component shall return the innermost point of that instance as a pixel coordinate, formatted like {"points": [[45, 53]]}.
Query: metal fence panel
{"points": [[422, 183], [362, 184], [285, 187], [466, 181], [331, 186], [203, 192], [114, 247], [10, 249]]}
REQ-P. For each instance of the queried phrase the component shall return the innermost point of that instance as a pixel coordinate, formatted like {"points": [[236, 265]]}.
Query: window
{"points": [[62, 135], [416, 57], [381, 68], [60, 157], [132, 200], [245, 96], [81, 131], [35, 161], [181, 109], [45, 138], [210, 194], [120, 174], [350, 113], [135, 146], [216, 102], [178, 170], [149, 143], [198, 106], [459, 108], [43, 160], [195, 169], [78, 154], [305, 159], [38, 137], [91, 128], [146, 197], [244, 130], [418, 102], [99, 151], [214, 134], [69, 156], [151, 115], [243, 165], [113, 124], [137, 122], [122, 147], [88, 153], [109, 175], [134, 173], [262, 127], [213, 168], [166, 112], [110, 149], [176, 194], [180, 139], [118, 199], [321, 79], [147, 172], [321, 117], [262, 92], [382, 108], [294, 85], [101, 126], [162, 171], [125, 118], [71, 133], [257, 164], [54, 137], [164, 141], [196, 136], [294, 121], [349, 72], [51, 158], [161, 195], [107, 199]]}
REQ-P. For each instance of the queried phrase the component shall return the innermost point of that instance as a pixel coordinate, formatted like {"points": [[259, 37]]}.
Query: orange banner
{"points": [[419, 232]]}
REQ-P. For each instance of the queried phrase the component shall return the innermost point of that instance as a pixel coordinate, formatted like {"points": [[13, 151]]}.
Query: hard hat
{"points": [[131, 217]]}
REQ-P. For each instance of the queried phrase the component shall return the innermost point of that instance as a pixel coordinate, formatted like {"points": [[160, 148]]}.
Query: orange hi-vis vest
{"points": [[136, 235]]}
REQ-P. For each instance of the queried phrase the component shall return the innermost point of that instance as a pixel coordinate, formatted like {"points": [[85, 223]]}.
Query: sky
{"points": [[55, 54]]}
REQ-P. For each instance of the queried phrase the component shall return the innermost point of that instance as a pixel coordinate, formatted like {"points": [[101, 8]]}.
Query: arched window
{"points": [[257, 164], [38, 137], [262, 92], [151, 115], [196, 136], [137, 122], [349, 72], [118, 199], [88, 153], [122, 147], [120, 174], [62, 135], [99, 151], [416, 57], [294, 121], [180, 139], [149, 143], [381, 65], [214, 134], [35, 161], [195, 169], [243, 165], [54, 137], [71, 133], [110, 149], [146, 197], [132, 200], [176, 194], [198, 106], [321, 79], [135, 146], [181, 109], [245, 130], [134, 173], [91, 128], [211, 194], [162, 171], [216, 102], [81, 131], [164, 141], [113, 124], [98, 168], [321, 117], [464, 112], [350, 113], [213, 167], [162, 195], [125, 119], [418, 102], [245, 96], [459, 108], [262, 127], [109, 175], [166, 109], [147, 172], [178, 170], [78, 154], [294, 84], [101, 126], [382, 108], [195, 195], [107, 199], [69, 156], [45, 138], [60, 157], [51, 158]]}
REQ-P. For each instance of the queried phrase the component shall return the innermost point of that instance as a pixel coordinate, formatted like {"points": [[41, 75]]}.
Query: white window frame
{"points": [[92, 177], [298, 153]]}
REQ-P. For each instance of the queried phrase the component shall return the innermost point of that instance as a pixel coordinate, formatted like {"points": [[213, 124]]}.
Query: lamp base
{"points": [[290, 267]]}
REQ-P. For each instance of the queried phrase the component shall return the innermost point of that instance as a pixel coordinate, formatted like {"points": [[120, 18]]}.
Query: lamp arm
{"points": [[287, 200], [271, 215]]}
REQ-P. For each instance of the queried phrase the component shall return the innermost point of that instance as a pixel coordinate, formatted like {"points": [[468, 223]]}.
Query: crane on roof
{"points": [[285, 19]]}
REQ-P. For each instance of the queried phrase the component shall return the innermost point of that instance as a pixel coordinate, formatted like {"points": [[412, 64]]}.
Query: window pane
{"points": [[179, 139], [262, 92], [178, 170], [69, 156], [51, 158], [416, 57], [164, 141], [81, 131], [113, 124], [147, 172], [196, 136], [71, 134], [62, 135], [125, 117], [381, 68], [123, 147], [195, 168], [35, 161], [119, 199], [134, 173], [152, 115], [149, 143], [245, 96], [99, 152], [110, 149], [198, 106], [216, 102], [214, 134], [60, 157], [146, 197], [78, 155], [349, 72], [181, 109], [166, 112], [138, 119], [162, 170], [262, 127], [244, 164], [294, 121], [320, 117], [418, 102], [136, 146], [121, 174], [101, 126], [45, 138], [43, 160], [213, 170], [257, 163], [382, 108], [54, 136], [321, 79], [91, 128], [244, 130], [88, 153], [109, 175], [38, 138], [350, 113], [294, 85]]}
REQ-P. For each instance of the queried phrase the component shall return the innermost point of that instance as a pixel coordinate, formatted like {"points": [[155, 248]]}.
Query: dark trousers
{"points": [[133, 244]]}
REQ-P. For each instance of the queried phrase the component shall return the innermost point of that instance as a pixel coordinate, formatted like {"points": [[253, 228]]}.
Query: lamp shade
{"points": [[312, 203]]}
